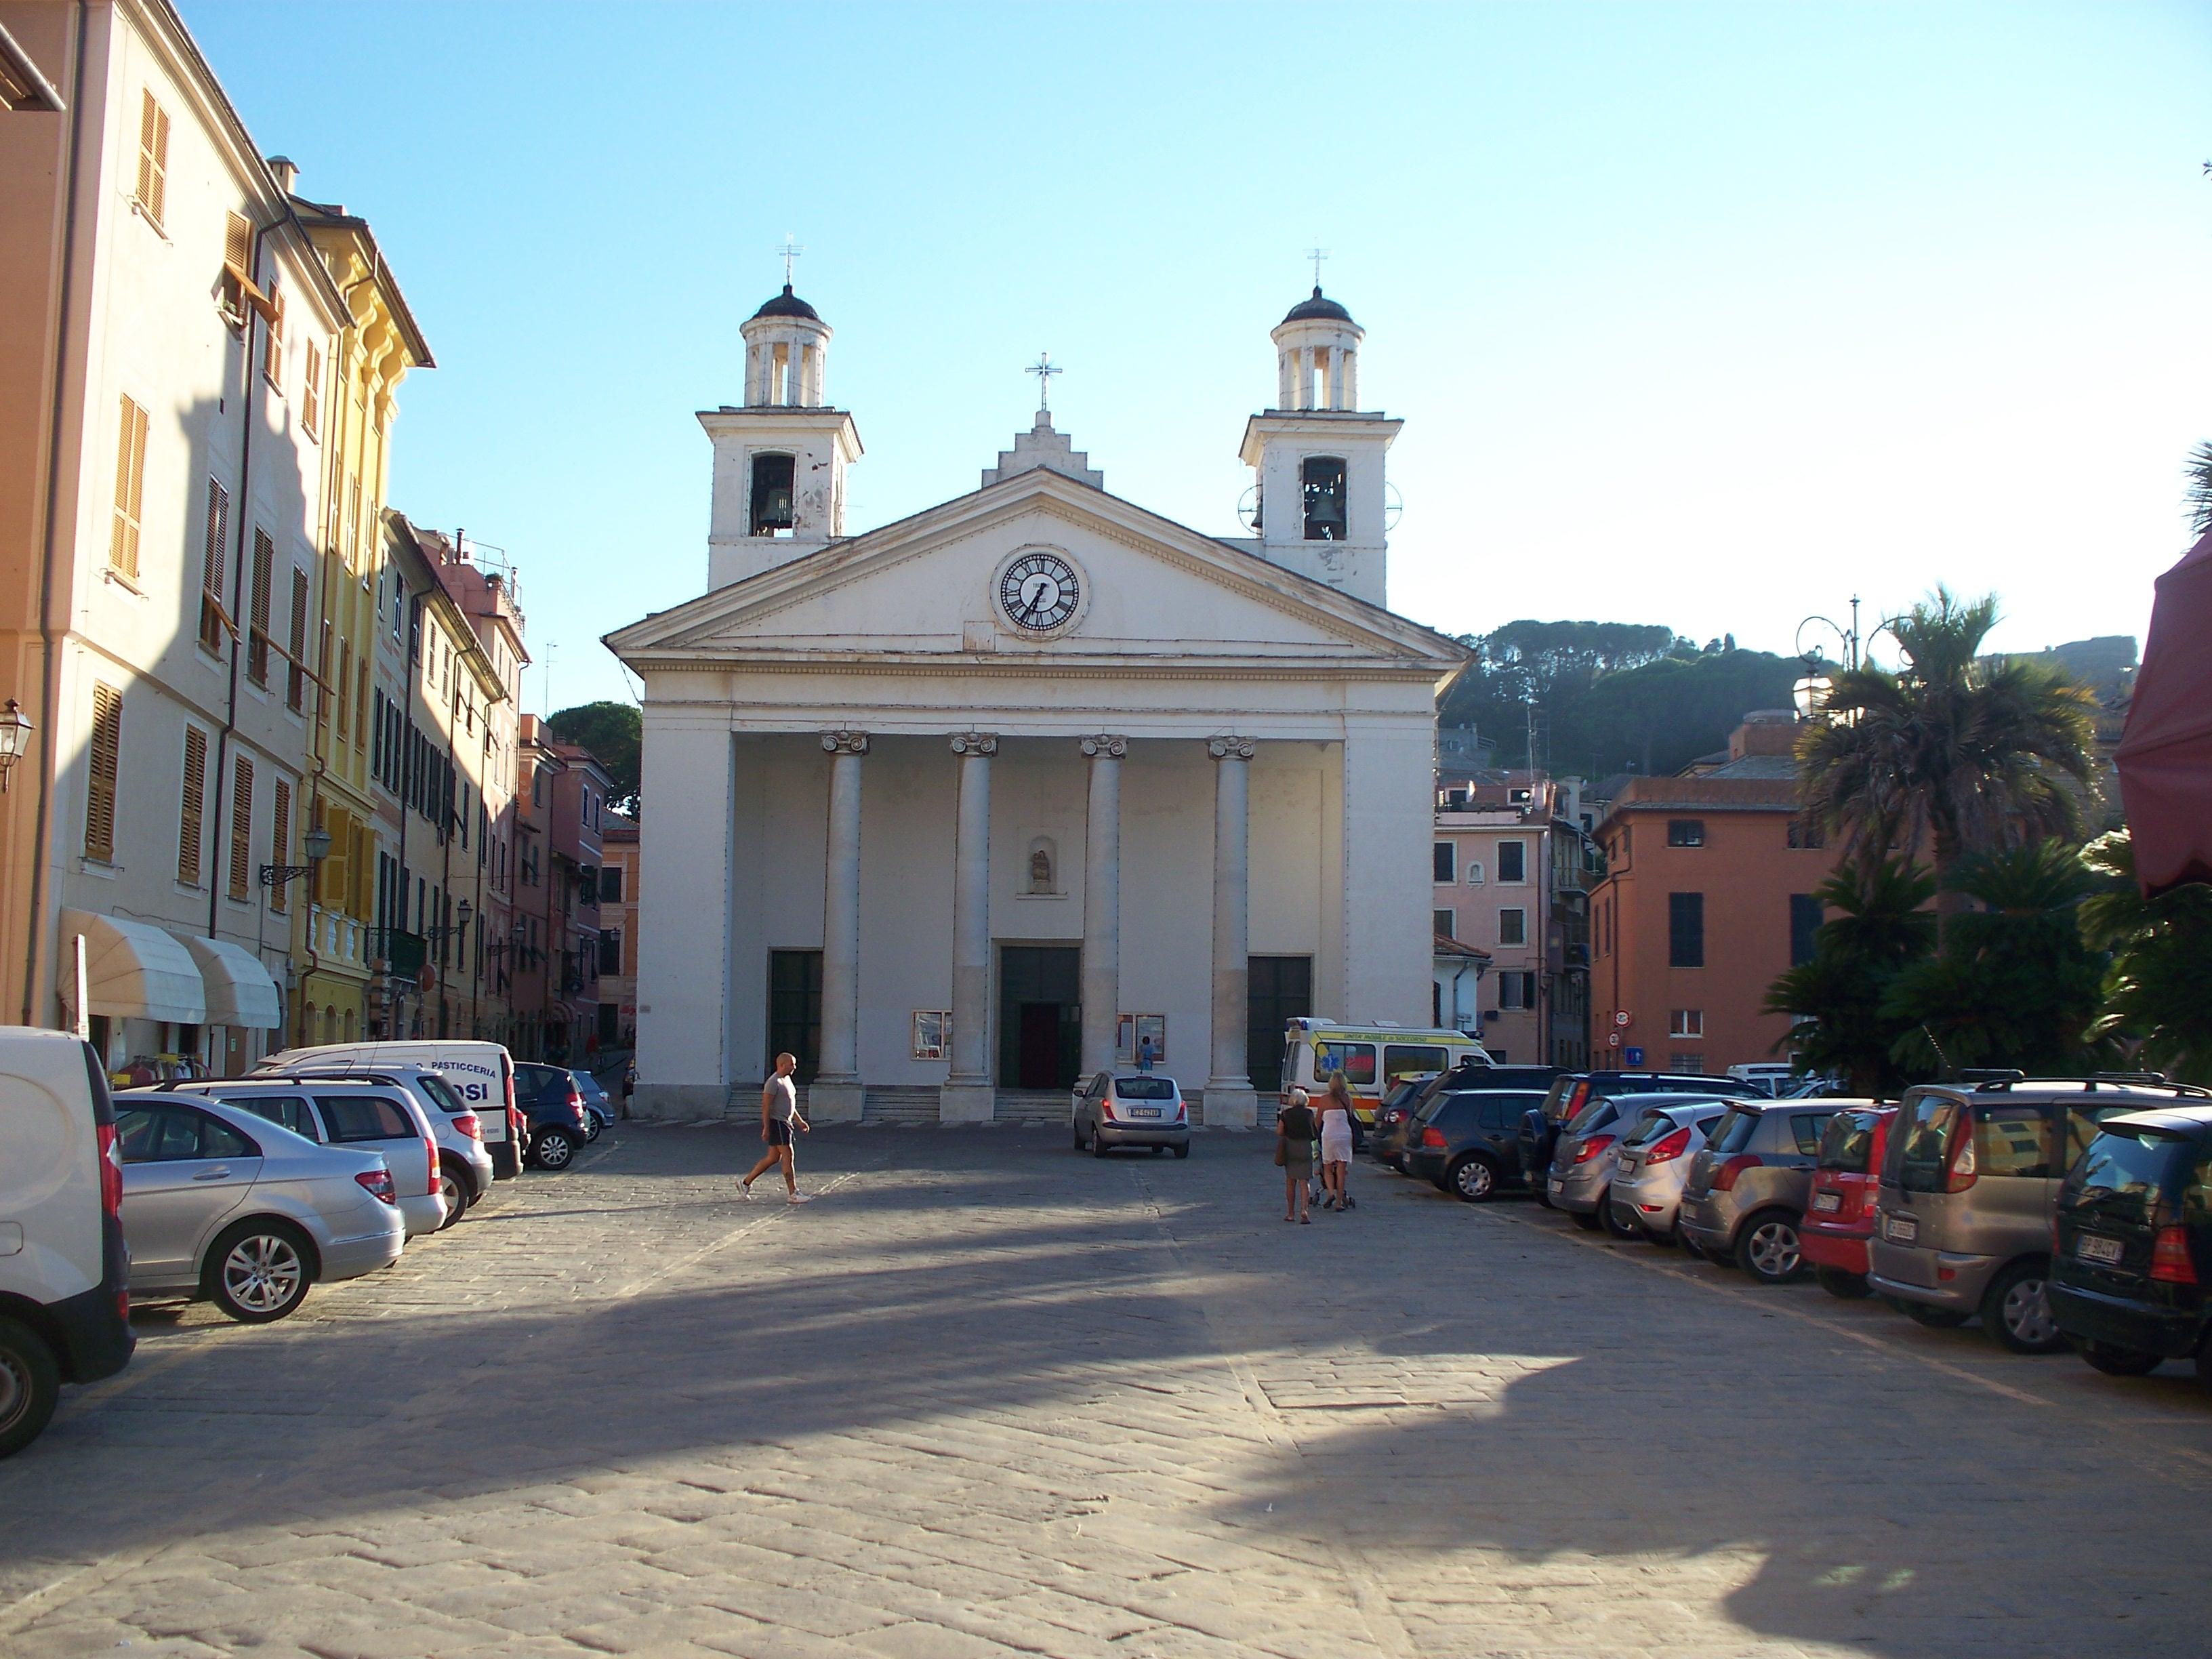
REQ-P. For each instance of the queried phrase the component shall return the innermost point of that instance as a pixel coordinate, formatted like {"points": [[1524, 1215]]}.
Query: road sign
{"points": [[1635, 1056], [1612, 1039], [1620, 1017]]}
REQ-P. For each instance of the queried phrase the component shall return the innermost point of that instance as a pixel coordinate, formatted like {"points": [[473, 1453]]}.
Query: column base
{"points": [[967, 1103], [835, 1100], [1231, 1105]]}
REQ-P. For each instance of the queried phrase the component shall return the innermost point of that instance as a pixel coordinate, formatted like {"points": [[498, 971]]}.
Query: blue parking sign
{"points": [[1634, 1056]]}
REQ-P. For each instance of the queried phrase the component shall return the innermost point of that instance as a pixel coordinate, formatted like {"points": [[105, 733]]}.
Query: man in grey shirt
{"points": [[779, 1117]]}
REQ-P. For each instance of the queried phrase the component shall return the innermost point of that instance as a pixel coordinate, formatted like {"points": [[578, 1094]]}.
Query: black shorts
{"points": [[779, 1133]]}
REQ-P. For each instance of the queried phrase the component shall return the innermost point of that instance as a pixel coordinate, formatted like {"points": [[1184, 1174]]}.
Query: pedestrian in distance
{"points": [[1294, 1139], [1336, 1143], [779, 1117], [629, 1086], [1144, 1055]]}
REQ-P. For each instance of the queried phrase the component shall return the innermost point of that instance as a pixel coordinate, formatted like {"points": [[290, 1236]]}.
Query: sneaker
{"points": [[798, 1198], [746, 1190]]}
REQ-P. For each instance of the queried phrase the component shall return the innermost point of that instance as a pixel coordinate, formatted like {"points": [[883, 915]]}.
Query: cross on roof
{"points": [[791, 251], [1316, 254], [1044, 369]]}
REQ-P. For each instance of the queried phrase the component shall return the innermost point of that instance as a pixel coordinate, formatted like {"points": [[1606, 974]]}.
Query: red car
{"points": [[1839, 1211]]}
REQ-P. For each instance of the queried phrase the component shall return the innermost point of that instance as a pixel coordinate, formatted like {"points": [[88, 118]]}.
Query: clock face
{"points": [[1039, 592]]}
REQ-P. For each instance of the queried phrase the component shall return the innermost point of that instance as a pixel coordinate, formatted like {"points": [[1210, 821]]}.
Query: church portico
{"points": [[1004, 793]]}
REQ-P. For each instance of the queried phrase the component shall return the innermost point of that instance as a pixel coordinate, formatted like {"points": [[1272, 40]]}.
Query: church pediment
{"points": [[1037, 564]]}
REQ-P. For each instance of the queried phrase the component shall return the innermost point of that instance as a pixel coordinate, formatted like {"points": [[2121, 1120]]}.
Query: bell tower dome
{"points": [[780, 460], [1321, 491]]}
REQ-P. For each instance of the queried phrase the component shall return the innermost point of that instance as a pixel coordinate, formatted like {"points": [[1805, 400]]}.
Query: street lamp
{"points": [[14, 735], [318, 842]]}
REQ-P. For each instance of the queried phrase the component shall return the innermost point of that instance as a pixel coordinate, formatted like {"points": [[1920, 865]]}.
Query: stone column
{"points": [[1102, 902], [1336, 376], [1230, 1100], [835, 1096], [967, 1094]]}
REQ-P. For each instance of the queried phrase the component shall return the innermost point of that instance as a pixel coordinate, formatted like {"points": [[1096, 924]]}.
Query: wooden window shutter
{"points": [[280, 841], [257, 636], [337, 868], [364, 873], [241, 828], [345, 690], [296, 693], [272, 343], [190, 825], [360, 702], [213, 618], [99, 787], [311, 390], [153, 158], [238, 246], [130, 489]]}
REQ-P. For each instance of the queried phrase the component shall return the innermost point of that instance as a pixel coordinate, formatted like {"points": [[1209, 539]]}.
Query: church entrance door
{"points": [[1040, 1018]]}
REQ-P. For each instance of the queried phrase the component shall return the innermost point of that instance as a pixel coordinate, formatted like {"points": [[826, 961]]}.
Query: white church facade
{"points": [[983, 800]]}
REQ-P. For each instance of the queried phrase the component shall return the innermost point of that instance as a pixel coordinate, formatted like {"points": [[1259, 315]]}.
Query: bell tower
{"points": [[1319, 489], [780, 461]]}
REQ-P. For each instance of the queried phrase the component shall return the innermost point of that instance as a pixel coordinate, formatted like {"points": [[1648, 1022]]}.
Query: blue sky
{"points": [[1709, 315]]}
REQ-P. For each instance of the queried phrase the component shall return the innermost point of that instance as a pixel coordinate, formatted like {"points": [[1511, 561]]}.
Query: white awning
{"points": [[133, 971], [239, 991]]}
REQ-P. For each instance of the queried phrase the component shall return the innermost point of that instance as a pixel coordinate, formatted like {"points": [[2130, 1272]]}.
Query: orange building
{"points": [[1707, 897]]}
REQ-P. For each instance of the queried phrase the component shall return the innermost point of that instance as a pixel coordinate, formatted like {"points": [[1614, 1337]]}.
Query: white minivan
{"points": [[481, 1073], [64, 1300]]}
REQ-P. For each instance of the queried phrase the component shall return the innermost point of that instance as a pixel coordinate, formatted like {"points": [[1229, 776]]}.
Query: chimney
{"points": [[287, 174], [1765, 731]]}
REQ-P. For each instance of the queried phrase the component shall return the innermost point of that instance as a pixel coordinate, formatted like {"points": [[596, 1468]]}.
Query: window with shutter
{"points": [[257, 631], [310, 390], [153, 158], [272, 338], [345, 690], [238, 247], [362, 876], [213, 617], [130, 489], [189, 822], [360, 702], [99, 775], [241, 828], [280, 839], [296, 690]]}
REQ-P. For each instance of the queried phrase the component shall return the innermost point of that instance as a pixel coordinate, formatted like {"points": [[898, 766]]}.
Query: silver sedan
{"points": [[221, 1204], [1654, 1164]]}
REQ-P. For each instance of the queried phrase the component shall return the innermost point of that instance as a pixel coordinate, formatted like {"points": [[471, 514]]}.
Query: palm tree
{"points": [[1957, 750], [2162, 951], [2198, 496], [1878, 926]]}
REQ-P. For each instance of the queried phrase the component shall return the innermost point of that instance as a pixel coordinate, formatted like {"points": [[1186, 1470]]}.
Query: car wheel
{"points": [[2119, 1362], [1097, 1145], [1936, 1319], [1183, 1151], [553, 1149], [453, 1188], [1589, 1223], [593, 1125], [1768, 1247], [30, 1384], [1472, 1180], [258, 1271], [1622, 1231], [1076, 1124], [2017, 1313], [1691, 1248], [1845, 1286]]}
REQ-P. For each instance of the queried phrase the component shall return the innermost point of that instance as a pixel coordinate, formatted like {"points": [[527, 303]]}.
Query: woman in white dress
{"points": [[1336, 1143]]}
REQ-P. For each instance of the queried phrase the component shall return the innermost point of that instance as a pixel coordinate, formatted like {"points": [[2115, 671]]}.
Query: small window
{"points": [[1404, 1059], [152, 193], [104, 763], [191, 808], [286, 1111], [1323, 478], [310, 390], [272, 340], [1445, 923], [1686, 930], [610, 883], [365, 1117], [1804, 927], [1446, 860], [773, 480], [1512, 862], [1686, 1023], [241, 828], [257, 616], [1690, 1064], [1805, 1128], [1685, 832], [129, 490], [1513, 926], [1517, 989], [212, 616], [280, 841], [1355, 1060]]}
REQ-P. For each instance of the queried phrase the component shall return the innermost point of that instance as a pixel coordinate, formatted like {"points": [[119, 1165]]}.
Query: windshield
{"points": [[1595, 1117], [1733, 1132], [1924, 1129], [1568, 1095], [1847, 1144], [1653, 1124], [1144, 1088], [2126, 1176]]}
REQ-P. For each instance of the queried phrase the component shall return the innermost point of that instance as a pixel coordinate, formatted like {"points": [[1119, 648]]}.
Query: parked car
{"points": [[598, 1110], [1570, 1092], [1130, 1109], [1772, 1076], [1840, 1204], [1580, 1178], [64, 1299], [1394, 1119], [1652, 1161], [1468, 1141], [465, 1167], [481, 1073], [1744, 1201], [341, 1112], [1969, 1180], [553, 1108], [221, 1204], [2133, 1243]]}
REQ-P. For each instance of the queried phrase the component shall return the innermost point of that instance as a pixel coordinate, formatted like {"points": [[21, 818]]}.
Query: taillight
{"points": [[1432, 1136], [430, 1159], [1106, 1111], [1669, 1149], [1961, 1175], [377, 1183], [2170, 1262], [111, 1171], [471, 1125], [1591, 1147], [1724, 1177]]}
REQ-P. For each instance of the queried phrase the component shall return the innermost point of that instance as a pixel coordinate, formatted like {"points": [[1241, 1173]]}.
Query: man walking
{"points": [[779, 1116]]}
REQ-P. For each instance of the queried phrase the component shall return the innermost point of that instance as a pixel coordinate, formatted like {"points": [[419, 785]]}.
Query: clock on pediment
{"points": [[1038, 593]]}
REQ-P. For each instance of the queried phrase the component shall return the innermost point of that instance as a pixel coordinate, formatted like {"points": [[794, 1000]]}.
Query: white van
{"points": [[481, 1073], [64, 1299], [1371, 1057], [1770, 1075]]}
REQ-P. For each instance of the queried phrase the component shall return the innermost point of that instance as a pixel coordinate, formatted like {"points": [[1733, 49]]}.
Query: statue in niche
{"points": [[1041, 870]]}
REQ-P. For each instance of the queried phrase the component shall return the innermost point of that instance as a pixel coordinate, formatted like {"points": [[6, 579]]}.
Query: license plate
{"points": [[1826, 1201], [1557, 1185], [1144, 1111], [1900, 1229], [2097, 1249]]}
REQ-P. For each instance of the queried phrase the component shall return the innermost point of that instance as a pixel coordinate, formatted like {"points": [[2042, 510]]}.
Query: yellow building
{"points": [[335, 944]]}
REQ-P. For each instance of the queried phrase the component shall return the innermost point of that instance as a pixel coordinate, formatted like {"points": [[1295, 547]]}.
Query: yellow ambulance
{"points": [[1373, 1058]]}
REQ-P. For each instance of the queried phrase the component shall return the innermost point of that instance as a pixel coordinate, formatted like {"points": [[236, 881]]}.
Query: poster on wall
{"points": [[932, 1031], [1132, 1032]]}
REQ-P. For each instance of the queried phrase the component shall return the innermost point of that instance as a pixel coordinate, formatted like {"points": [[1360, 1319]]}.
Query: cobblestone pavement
{"points": [[985, 1396]]}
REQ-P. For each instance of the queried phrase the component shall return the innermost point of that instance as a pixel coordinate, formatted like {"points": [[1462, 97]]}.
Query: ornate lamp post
{"points": [[14, 738]]}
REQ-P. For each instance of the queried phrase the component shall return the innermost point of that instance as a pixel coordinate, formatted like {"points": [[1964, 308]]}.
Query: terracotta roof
{"points": [[1448, 946], [1724, 791]]}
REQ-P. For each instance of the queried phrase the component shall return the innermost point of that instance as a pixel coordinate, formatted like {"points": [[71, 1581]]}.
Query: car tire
{"points": [[1472, 1181], [1183, 1151], [1543, 1197], [2016, 1312], [1077, 1127], [1589, 1223], [1936, 1319], [453, 1187], [30, 1385], [591, 1127], [1844, 1286], [1625, 1231], [1691, 1248], [260, 1271], [1768, 1247], [554, 1148], [2119, 1362], [1097, 1145]]}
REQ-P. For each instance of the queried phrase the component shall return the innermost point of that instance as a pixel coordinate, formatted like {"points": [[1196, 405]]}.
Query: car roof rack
{"points": [[2094, 1081]]}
